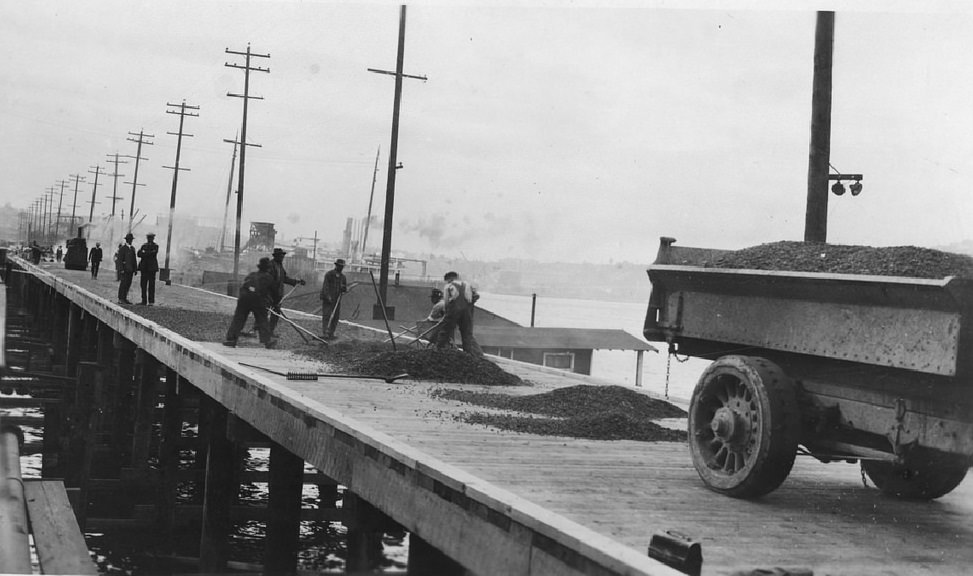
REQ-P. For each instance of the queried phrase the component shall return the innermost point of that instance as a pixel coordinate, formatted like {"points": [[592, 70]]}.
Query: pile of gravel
{"points": [[359, 357], [905, 261], [584, 411], [439, 365]]}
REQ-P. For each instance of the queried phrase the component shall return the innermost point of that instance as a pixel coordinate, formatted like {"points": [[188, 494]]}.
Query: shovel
{"points": [[313, 376], [298, 327]]}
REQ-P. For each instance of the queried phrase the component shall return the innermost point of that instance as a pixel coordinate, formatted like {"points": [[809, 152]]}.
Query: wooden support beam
{"points": [[145, 401], [121, 401], [169, 460], [60, 545], [59, 328], [82, 442], [284, 526], [75, 335], [366, 526], [424, 560], [219, 489], [89, 340]]}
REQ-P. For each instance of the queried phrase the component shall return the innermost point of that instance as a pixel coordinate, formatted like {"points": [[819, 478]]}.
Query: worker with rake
{"points": [[335, 285], [280, 277], [257, 293]]}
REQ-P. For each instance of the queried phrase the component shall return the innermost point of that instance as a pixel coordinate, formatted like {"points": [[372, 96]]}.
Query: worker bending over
{"points": [[459, 298]]}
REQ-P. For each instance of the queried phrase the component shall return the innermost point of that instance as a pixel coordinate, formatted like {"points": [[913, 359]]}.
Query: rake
{"points": [[313, 376]]}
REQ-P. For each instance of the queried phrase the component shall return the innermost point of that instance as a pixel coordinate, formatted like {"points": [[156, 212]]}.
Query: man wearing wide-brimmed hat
{"points": [[127, 265], [280, 278]]}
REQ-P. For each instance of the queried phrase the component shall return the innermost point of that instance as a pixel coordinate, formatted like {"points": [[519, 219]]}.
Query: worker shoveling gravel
{"points": [[584, 411]]}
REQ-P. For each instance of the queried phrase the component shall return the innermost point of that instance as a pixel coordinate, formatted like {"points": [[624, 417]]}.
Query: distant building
{"points": [[569, 349]]}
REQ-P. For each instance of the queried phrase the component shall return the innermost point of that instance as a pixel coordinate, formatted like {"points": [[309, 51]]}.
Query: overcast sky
{"points": [[559, 132]]}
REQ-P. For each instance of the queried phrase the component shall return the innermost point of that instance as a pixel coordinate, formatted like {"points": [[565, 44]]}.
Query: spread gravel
{"points": [[583, 411]]}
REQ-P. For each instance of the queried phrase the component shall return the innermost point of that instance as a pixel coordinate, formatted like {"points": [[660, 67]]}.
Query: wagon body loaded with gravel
{"points": [[845, 367]]}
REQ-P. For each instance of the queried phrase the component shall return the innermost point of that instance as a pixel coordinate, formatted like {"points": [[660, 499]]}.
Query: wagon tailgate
{"points": [[908, 323]]}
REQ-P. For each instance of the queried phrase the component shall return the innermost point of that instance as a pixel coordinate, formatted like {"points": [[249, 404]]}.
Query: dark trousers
{"points": [[95, 265], [246, 305], [124, 284], [329, 317], [461, 318], [147, 283], [273, 320]]}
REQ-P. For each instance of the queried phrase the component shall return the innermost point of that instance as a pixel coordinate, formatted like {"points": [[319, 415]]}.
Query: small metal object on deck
{"points": [[678, 551]]}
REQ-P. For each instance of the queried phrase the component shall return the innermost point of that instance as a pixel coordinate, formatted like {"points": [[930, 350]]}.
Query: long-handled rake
{"points": [[313, 376]]}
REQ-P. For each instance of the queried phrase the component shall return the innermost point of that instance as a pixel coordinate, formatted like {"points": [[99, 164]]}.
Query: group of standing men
{"points": [[129, 262]]}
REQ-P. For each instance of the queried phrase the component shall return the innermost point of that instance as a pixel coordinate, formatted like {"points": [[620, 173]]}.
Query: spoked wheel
{"points": [[744, 426], [924, 476]]}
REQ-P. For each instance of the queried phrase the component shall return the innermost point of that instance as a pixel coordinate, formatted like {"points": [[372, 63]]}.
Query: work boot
{"points": [[230, 343], [271, 344]]}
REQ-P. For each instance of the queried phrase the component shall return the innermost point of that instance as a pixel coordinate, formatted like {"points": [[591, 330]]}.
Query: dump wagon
{"points": [[844, 367]]}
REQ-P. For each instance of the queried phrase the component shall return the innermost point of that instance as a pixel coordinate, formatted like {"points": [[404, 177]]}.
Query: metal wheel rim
{"points": [[727, 425]]}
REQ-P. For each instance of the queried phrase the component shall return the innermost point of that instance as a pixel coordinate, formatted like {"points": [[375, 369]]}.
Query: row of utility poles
{"points": [[40, 223]]}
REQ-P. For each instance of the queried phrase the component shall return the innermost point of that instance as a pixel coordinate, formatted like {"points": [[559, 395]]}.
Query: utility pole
{"points": [[94, 190], [247, 68], [388, 312], [60, 201], [371, 196], [45, 223], [819, 161], [175, 175], [74, 204], [138, 156], [229, 192], [114, 194]]}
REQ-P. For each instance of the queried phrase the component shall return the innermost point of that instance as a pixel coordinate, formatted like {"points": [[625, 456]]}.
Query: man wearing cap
{"points": [[257, 293], [280, 277], [126, 266], [148, 265], [335, 284], [460, 296], [436, 315]]}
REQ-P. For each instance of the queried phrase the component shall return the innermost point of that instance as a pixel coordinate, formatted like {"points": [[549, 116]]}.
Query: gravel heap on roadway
{"points": [[425, 364], [906, 261], [583, 411]]}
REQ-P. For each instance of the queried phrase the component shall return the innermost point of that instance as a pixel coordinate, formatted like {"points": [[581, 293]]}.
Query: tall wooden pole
{"points": [[816, 218], [229, 192], [243, 145], [371, 197], [175, 173], [383, 279]]}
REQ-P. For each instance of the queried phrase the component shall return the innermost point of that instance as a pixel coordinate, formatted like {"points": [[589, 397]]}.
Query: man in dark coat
{"points": [[94, 257], [35, 253], [335, 284], [148, 265], [257, 293], [127, 267], [280, 277]]}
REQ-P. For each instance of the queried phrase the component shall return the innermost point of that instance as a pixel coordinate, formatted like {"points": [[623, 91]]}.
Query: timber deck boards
{"points": [[822, 518]]}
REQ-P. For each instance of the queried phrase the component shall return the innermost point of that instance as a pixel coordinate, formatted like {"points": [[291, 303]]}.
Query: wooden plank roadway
{"points": [[594, 504]]}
